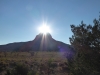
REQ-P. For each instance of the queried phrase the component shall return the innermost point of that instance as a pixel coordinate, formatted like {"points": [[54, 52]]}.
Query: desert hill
{"points": [[40, 43]]}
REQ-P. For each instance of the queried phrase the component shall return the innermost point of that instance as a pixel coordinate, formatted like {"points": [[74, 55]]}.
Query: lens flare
{"points": [[44, 29]]}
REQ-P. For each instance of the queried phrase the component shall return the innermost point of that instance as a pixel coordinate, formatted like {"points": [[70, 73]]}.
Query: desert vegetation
{"points": [[36, 63], [86, 41], [86, 60]]}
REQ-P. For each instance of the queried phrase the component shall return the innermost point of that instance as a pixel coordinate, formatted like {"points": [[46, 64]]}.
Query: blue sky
{"points": [[19, 19]]}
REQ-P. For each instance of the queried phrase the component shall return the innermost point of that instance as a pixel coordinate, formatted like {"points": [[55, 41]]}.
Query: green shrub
{"points": [[19, 69]]}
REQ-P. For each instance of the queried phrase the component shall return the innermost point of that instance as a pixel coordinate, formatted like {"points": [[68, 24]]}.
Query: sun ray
{"points": [[44, 29]]}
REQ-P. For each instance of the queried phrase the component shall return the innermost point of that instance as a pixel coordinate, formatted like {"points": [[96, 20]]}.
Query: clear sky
{"points": [[19, 19]]}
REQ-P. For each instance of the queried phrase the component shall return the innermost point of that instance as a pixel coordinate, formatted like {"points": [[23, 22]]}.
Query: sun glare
{"points": [[44, 29]]}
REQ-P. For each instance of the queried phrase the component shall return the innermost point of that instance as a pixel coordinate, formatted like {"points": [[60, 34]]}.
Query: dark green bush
{"points": [[19, 69]]}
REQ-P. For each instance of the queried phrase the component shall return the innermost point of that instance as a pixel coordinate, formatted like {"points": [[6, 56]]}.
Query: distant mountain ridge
{"points": [[40, 43]]}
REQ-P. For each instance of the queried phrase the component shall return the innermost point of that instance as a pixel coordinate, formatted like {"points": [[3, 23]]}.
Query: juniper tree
{"points": [[86, 40]]}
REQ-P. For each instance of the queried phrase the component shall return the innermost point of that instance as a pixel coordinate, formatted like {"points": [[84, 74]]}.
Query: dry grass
{"points": [[51, 61], [38, 56]]}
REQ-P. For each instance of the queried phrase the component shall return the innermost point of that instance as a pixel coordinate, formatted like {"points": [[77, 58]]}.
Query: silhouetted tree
{"points": [[86, 40]]}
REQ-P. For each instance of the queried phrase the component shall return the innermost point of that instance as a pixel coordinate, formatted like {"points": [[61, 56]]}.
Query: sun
{"points": [[44, 29]]}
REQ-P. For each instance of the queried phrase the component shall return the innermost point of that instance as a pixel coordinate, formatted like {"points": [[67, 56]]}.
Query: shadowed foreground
{"points": [[33, 63]]}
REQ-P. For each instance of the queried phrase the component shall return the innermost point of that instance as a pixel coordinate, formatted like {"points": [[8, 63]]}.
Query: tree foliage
{"points": [[86, 40]]}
